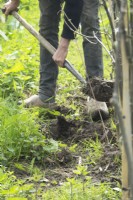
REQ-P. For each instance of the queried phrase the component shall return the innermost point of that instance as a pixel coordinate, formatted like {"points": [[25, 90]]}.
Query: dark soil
{"points": [[60, 165], [71, 131], [102, 89]]}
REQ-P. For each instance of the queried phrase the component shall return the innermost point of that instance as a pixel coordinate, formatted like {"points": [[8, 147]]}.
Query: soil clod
{"points": [[99, 89]]}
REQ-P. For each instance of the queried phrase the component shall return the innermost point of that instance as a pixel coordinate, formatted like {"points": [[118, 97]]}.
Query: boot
{"points": [[97, 109], [35, 101]]}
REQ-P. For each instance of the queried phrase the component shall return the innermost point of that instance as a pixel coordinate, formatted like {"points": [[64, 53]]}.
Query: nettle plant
{"points": [[20, 134]]}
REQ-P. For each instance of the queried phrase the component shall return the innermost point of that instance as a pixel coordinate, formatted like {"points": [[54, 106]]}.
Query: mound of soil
{"points": [[74, 130], [99, 89], [70, 132], [60, 165]]}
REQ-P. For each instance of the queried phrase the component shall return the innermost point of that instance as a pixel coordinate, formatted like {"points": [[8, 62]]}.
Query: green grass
{"points": [[94, 149], [75, 189]]}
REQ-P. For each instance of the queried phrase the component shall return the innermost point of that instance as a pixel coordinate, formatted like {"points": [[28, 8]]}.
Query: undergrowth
{"points": [[74, 189], [20, 135]]}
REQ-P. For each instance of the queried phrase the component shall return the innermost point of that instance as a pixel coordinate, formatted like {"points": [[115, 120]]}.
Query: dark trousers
{"points": [[49, 27], [92, 50]]}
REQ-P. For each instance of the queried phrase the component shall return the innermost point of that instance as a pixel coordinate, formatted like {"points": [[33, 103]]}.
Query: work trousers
{"points": [[49, 28], [91, 47]]}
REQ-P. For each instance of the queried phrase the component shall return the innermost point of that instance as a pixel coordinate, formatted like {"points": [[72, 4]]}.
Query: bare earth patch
{"points": [[60, 165]]}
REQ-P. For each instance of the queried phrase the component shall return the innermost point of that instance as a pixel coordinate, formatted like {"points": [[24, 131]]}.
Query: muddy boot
{"points": [[35, 101], [97, 109]]}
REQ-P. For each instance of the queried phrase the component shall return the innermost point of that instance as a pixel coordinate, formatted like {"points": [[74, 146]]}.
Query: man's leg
{"points": [[93, 55], [49, 24], [92, 52]]}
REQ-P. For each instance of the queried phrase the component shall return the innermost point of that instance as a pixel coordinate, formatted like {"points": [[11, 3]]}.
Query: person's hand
{"points": [[61, 52], [10, 6]]}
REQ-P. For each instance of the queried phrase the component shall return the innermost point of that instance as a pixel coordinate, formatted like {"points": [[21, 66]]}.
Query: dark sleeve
{"points": [[72, 9]]}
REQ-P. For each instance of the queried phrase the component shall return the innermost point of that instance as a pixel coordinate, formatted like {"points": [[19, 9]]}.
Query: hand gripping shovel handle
{"points": [[47, 45]]}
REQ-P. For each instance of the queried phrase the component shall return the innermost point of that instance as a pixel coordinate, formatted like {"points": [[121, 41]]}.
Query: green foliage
{"points": [[81, 170], [73, 189], [20, 136], [94, 149], [113, 125], [11, 188], [19, 61]]}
